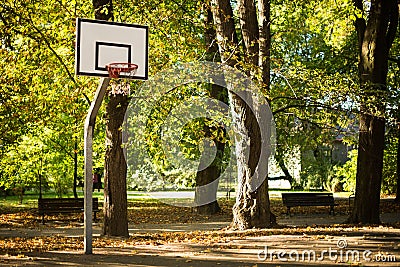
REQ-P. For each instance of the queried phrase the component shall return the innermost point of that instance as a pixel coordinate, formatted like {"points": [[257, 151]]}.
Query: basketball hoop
{"points": [[125, 69], [118, 71]]}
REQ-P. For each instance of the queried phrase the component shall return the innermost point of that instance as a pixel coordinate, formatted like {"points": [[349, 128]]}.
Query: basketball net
{"points": [[122, 73]]}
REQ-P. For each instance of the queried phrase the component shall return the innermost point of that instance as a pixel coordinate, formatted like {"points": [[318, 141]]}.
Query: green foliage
{"points": [[22, 165], [389, 175], [317, 170], [314, 90], [168, 143], [314, 79], [37, 156], [347, 172], [43, 106]]}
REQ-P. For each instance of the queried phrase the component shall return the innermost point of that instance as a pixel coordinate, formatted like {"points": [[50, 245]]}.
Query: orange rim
{"points": [[114, 69]]}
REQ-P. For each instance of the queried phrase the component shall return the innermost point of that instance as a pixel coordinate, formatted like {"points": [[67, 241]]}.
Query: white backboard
{"points": [[100, 42]]}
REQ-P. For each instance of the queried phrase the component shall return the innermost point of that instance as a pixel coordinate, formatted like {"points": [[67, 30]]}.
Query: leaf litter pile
{"points": [[153, 212]]}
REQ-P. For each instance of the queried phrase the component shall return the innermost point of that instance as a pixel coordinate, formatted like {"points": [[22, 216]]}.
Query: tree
{"points": [[312, 88], [394, 123], [376, 33], [41, 96], [214, 170], [209, 174], [115, 192], [398, 165], [252, 207]]}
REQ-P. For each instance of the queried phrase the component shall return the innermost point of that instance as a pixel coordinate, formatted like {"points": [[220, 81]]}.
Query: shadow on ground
{"points": [[166, 236]]}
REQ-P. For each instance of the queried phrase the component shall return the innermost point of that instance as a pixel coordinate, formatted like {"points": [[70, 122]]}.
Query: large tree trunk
{"points": [[252, 207], [225, 31], [250, 32], [115, 198], [375, 39], [209, 175], [369, 170]]}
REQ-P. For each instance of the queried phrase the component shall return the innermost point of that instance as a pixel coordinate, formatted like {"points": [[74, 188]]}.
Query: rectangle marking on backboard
{"points": [[121, 53]]}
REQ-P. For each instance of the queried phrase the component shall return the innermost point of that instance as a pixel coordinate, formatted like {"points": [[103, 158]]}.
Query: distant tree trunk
{"points": [[252, 207], [375, 39], [115, 199], [208, 175], [75, 168], [398, 163], [281, 163]]}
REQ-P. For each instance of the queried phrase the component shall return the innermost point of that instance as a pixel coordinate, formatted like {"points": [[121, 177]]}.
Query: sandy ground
{"points": [[366, 246], [274, 250]]}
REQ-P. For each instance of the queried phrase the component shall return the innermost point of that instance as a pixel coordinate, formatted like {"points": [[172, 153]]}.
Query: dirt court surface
{"points": [[253, 248], [162, 235]]}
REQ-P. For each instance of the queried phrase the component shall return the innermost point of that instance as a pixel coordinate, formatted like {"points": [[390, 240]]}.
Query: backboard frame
{"points": [[94, 37]]}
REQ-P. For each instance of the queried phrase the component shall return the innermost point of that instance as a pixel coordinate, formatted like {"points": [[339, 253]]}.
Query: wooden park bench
{"points": [[309, 199], [64, 205]]}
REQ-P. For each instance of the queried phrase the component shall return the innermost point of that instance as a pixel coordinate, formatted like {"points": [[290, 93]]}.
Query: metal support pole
{"points": [[88, 151]]}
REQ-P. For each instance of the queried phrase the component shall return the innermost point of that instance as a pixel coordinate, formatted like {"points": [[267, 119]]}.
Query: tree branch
{"points": [[250, 32], [61, 147], [225, 31], [326, 107], [44, 39], [264, 56]]}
